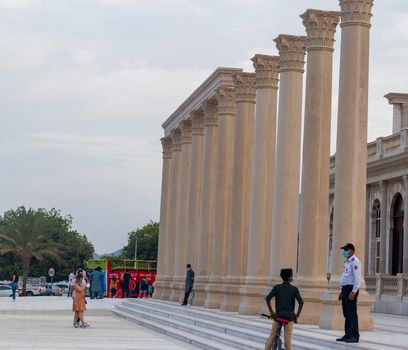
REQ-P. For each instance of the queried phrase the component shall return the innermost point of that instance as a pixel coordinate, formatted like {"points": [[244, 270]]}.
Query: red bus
{"points": [[117, 268]]}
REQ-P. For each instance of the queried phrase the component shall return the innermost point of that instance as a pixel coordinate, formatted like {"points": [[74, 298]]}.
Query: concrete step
{"points": [[239, 325], [222, 329], [214, 335]]}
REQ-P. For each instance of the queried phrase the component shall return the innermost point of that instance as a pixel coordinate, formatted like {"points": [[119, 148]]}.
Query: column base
{"points": [[332, 314], [199, 291], [214, 294], [177, 289], [311, 289], [161, 288], [231, 299], [252, 293]]}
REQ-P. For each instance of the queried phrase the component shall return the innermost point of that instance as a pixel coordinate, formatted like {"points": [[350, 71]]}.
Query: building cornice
{"points": [[207, 90]]}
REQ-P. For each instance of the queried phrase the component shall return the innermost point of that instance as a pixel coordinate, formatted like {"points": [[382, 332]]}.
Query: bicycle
{"points": [[277, 342]]}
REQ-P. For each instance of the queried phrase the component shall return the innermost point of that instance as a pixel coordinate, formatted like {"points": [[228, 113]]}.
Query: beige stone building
{"points": [[231, 178]]}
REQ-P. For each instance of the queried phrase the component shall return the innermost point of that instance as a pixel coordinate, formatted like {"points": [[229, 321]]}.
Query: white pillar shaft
{"points": [[195, 189], [173, 212], [262, 177], [351, 151], [287, 168], [183, 204], [164, 211], [208, 178], [223, 195]]}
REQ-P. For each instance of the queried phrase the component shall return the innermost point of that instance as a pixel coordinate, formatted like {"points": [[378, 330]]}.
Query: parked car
{"points": [[5, 291], [32, 291], [58, 288]]}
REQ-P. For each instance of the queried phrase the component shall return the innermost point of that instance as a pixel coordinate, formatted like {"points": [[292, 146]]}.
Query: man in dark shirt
{"points": [[125, 285], [285, 295]]}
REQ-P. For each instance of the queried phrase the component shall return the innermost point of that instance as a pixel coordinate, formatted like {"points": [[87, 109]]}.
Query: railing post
{"points": [[404, 139], [378, 287], [400, 286]]}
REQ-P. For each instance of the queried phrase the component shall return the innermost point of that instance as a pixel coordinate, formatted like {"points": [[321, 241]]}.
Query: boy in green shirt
{"points": [[285, 295]]}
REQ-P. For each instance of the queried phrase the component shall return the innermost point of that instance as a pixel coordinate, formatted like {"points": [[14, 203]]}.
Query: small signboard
{"points": [[51, 272]]}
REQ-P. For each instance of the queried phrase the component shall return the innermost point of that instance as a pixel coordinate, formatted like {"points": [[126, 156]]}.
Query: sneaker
{"points": [[85, 325], [76, 325]]}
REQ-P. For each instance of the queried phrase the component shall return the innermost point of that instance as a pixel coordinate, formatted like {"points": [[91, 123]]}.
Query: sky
{"points": [[86, 84]]}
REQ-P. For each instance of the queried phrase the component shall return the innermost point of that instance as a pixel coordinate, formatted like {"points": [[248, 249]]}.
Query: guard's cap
{"points": [[348, 246]]}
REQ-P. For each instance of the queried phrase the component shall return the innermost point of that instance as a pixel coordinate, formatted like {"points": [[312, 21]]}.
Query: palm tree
{"points": [[28, 234]]}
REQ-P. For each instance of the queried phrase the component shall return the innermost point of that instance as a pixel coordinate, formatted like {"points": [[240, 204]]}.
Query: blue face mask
{"points": [[345, 253]]}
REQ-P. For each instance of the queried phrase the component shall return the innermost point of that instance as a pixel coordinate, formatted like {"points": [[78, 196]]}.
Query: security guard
{"points": [[350, 284]]}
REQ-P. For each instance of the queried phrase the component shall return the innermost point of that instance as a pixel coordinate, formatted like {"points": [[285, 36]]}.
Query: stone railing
{"points": [[383, 147], [388, 288]]}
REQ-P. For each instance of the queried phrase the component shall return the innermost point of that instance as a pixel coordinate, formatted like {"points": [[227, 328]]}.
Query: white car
{"points": [[5, 291]]}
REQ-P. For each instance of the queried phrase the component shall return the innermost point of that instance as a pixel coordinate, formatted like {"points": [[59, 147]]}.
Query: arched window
{"points": [[397, 234], [376, 229]]}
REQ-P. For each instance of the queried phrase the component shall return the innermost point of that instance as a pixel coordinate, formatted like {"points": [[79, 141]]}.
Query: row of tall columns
{"points": [[314, 222], [232, 206]]}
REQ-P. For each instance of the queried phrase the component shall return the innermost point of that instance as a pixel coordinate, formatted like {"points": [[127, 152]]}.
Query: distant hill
{"points": [[115, 253]]}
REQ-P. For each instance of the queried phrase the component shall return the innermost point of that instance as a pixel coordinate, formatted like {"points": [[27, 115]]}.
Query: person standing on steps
{"points": [[189, 283], [125, 284], [350, 284], [285, 296]]}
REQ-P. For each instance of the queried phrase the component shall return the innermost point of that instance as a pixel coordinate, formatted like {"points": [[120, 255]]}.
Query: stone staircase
{"points": [[217, 330]]}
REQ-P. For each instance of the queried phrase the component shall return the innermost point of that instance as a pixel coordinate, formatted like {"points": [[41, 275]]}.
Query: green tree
{"points": [[147, 242], [26, 234], [61, 247]]}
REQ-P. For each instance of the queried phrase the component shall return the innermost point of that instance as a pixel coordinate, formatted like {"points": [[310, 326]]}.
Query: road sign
{"points": [[51, 272]]}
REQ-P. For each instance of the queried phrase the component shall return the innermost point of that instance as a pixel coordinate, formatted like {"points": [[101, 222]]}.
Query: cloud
{"points": [[17, 4]]}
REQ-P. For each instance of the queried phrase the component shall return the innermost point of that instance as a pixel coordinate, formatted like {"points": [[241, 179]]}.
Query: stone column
{"points": [[173, 212], [208, 178], [383, 226], [223, 195], [312, 275], [351, 158], [263, 173], [161, 276], [283, 252], [195, 188], [236, 248], [183, 211], [405, 224]]}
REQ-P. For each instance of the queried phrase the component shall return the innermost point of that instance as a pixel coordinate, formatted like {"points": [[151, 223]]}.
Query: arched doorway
{"points": [[376, 234], [397, 234]]}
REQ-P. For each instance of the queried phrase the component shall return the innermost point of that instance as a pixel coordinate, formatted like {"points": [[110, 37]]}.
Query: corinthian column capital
{"points": [[266, 70], [244, 84], [320, 28], [226, 100], [166, 144], [197, 122], [210, 112], [291, 51], [186, 130], [356, 12], [176, 140]]}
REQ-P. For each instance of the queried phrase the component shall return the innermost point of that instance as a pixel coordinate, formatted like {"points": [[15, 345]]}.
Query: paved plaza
{"points": [[46, 323]]}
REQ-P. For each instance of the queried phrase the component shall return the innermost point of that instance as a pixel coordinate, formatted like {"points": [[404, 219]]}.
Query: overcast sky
{"points": [[86, 84]]}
